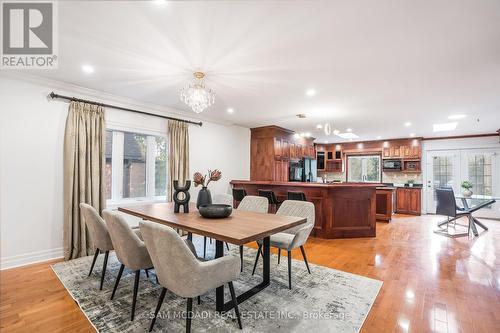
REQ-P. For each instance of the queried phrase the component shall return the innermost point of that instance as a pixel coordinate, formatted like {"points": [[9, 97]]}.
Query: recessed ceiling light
{"points": [[336, 132], [412, 134], [296, 135], [444, 127], [160, 2], [87, 69], [350, 139], [348, 135], [326, 141], [308, 134], [457, 116], [379, 137], [407, 124], [230, 110], [311, 92], [349, 130], [319, 126]]}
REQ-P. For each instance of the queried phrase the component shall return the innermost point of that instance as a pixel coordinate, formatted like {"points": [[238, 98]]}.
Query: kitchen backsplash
{"points": [[387, 177]]}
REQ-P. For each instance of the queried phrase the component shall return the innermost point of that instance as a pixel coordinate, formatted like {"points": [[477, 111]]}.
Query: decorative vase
{"points": [[467, 193], [204, 197]]}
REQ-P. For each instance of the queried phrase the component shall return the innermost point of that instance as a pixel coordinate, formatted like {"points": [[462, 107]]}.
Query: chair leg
{"points": [[158, 307], [134, 299], [290, 270], [189, 314], [156, 276], [93, 261], [241, 258], [204, 247], [118, 277], [235, 303], [147, 273], [199, 300], [279, 256], [256, 259], [104, 265], [305, 258], [227, 246]]}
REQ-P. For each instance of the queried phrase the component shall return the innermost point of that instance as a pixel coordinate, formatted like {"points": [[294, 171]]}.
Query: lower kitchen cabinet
{"points": [[409, 200]]}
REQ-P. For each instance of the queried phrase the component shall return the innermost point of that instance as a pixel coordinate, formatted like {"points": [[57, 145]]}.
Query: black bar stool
{"points": [[271, 197], [299, 196], [238, 195]]}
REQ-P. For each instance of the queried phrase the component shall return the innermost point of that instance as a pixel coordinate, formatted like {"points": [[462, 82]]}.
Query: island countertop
{"points": [[342, 210]]}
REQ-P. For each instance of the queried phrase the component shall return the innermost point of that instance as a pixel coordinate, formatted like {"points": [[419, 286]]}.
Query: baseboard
{"points": [[30, 258]]}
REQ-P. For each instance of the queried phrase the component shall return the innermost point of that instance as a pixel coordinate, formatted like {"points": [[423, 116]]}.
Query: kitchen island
{"points": [[343, 210]]}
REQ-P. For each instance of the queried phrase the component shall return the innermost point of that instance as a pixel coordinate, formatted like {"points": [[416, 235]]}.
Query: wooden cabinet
{"points": [[408, 200], [405, 150], [334, 166], [281, 171]]}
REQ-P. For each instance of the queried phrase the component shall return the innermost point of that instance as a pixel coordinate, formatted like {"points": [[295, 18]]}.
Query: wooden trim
{"points": [[461, 136], [272, 127]]}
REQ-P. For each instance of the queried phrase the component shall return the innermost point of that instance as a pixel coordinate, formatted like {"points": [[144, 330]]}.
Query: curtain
{"points": [[178, 154], [84, 142]]}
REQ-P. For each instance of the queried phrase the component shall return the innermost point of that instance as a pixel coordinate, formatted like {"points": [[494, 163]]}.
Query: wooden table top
{"points": [[240, 228]]}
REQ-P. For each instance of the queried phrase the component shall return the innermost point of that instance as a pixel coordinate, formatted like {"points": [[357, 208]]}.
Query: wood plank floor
{"points": [[431, 283]]}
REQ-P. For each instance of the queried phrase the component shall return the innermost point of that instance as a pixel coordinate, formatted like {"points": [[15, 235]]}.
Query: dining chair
{"points": [[98, 234], [294, 237], [130, 251], [252, 203], [182, 273], [447, 206]]}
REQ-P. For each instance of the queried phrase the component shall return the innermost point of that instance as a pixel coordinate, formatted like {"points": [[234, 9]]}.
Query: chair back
{"points": [[271, 197], [252, 203], [300, 209], [239, 194], [299, 196], [175, 264], [223, 198], [446, 204], [130, 249], [97, 228]]}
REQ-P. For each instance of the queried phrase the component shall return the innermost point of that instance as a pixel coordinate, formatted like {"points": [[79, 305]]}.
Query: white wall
{"points": [[31, 162]]}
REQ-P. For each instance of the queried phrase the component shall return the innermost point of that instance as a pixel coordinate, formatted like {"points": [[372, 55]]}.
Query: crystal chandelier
{"points": [[197, 95]]}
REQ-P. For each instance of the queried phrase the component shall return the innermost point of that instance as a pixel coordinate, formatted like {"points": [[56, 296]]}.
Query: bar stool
{"points": [[271, 197], [238, 195], [299, 196]]}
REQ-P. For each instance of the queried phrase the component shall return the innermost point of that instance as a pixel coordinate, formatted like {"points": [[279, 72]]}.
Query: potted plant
{"points": [[204, 196], [411, 182], [466, 186]]}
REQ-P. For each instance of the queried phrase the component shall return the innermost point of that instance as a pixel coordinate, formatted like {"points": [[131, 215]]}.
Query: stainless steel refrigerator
{"points": [[310, 170]]}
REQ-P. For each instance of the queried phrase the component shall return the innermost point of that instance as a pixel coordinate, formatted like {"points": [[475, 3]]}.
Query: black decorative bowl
{"points": [[215, 211]]}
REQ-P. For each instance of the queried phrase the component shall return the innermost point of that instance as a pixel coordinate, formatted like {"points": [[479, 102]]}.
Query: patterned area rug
{"points": [[327, 300]]}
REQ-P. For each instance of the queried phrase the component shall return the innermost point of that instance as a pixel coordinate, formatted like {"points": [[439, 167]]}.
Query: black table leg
{"points": [[219, 292], [473, 225], [476, 221]]}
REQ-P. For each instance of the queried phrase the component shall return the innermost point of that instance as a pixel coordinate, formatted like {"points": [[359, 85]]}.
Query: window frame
{"points": [[117, 167], [361, 156]]}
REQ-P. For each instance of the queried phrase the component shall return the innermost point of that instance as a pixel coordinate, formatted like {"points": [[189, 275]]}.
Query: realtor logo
{"points": [[28, 35]]}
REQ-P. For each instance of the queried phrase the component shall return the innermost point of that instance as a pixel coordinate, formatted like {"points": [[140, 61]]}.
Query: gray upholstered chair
{"points": [[252, 203], [218, 198], [99, 235], [182, 273], [130, 251], [294, 237]]}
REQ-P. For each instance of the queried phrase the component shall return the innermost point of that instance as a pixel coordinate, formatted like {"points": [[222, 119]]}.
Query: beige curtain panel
{"points": [[84, 161], [178, 154]]}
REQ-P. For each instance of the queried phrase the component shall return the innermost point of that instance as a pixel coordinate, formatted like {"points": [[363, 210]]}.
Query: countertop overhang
{"points": [[307, 184]]}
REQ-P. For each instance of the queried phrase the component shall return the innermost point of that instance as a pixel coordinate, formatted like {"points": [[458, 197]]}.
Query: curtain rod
{"points": [[54, 96]]}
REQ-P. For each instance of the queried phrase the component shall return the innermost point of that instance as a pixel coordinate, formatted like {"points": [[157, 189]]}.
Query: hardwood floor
{"points": [[431, 283]]}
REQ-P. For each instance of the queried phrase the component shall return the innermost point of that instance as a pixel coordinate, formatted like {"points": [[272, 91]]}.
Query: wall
{"points": [[31, 163]]}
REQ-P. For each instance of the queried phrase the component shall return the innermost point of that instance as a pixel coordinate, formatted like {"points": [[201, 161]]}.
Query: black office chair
{"points": [[299, 196], [447, 206], [271, 197], [238, 195]]}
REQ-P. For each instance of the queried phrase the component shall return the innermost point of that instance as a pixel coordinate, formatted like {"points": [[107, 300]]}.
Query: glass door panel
{"points": [[443, 171]]}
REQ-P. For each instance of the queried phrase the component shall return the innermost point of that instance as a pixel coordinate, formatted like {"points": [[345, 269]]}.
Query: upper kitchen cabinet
{"points": [[402, 149]]}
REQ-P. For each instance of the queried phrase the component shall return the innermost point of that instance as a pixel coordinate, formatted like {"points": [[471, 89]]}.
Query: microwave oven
{"points": [[392, 165]]}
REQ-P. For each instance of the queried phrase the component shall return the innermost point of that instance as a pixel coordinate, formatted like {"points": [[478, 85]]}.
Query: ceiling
{"points": [[373, 64]]}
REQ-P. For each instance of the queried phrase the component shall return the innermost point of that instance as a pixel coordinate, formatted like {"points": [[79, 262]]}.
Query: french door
{"points": [[451, 167]]}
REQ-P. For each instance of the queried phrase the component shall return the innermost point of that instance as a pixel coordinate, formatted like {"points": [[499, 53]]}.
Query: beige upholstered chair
{"points": [[251, 203], [294, 237], [130, 251], [181, 272], [99, 235]]}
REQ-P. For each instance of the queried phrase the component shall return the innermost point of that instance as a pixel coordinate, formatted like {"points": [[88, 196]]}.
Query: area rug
{"points": [[327, 300]]}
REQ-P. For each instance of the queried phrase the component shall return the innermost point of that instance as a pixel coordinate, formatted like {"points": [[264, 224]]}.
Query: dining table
{"points": [[471, 204], [240, 228]]}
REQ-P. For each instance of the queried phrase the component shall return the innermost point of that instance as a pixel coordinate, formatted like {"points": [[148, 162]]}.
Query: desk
{"points": [[240, 228]]}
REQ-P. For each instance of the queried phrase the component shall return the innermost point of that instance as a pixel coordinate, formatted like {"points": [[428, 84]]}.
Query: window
{"points": [[363, 168], [136, 166], [479, 169]]}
